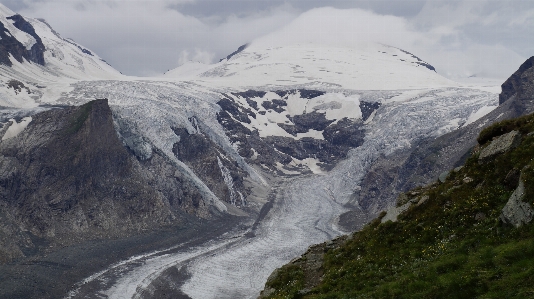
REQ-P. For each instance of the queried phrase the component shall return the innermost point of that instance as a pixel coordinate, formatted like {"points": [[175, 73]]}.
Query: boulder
{"points": [[467, 180], [403, 204], [443, 176], [499, 146], [516, 211]]}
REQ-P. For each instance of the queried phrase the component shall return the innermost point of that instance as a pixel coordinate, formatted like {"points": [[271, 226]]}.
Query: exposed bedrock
{"points": [[207, 161], [305, 122], [68, 177], [338, 136], [521, 83], [10, 45]]}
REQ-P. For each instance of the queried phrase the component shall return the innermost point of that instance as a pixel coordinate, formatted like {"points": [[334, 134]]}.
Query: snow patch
{"points": [[311, 133], [336, 106], [311, 163], [281, 168], [478, 114], [16, 128]]}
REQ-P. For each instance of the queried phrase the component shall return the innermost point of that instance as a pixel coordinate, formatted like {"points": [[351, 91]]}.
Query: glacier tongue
{"points": [[306, 209]]}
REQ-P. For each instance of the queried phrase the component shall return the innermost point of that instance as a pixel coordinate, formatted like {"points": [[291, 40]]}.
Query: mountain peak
{"points": [[363, 66], [27, 45]]}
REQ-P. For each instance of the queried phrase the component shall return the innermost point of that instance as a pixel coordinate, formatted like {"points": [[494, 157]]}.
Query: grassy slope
{"points": [[440, 249]]}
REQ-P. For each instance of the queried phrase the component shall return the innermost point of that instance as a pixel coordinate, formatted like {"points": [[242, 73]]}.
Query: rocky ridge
{"points": [[68, 177]]}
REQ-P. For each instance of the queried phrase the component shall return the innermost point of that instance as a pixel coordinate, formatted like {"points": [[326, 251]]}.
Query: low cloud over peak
{"points": [[460, 38]]}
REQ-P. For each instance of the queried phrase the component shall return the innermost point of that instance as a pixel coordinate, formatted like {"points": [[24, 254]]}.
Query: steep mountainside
{"points": [[36, 57], [468, 235], [67, 177], [430, 157], [32, 50]]}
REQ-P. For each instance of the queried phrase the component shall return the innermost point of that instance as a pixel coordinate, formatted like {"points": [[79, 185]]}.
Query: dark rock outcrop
{"points": [[521, 82], [420, 61], [17, 86], [339, 137], [368, 108], [67, 177], [10, 45], [304, 93], [85, 51], [239, 50], [305, 122], [276, 105], [36, 53]]}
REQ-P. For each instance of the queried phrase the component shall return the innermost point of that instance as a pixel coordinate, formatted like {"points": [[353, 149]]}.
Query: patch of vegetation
{"points": [[289, 280], [524, 124], [79, 117], [451, 246]]}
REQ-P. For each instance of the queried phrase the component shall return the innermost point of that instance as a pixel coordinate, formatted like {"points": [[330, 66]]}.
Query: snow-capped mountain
{"points": [[32, 53], [282, 137], [30, 47], [367, 66]]}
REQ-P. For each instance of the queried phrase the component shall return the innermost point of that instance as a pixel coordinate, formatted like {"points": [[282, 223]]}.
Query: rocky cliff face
{"points": [[520, 83], [10, 45], [427, 158], [68, 177]]}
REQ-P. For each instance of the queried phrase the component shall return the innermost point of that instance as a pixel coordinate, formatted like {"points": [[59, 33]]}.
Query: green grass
{"points": [[289, 280], [439, 249], [80, 117]]}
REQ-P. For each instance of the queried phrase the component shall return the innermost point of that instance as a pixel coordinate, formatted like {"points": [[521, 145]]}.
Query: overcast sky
{"points": [[149, 37]]}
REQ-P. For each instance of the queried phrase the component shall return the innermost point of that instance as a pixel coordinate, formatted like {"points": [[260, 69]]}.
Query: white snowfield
{"points": [[416, 103], [368, 66]]}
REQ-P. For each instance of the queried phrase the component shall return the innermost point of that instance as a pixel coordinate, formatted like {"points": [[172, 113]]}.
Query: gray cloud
{"points": [[146, 37], [461, 38], [218, 8], [14, 5]]}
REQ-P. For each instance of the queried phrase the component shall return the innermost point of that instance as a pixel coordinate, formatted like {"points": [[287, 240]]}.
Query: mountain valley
{"points": [[201, 182]]}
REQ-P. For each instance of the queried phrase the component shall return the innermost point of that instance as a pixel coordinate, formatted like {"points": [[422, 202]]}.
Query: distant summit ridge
{"points": [[240, 49], [28, 44], [363, 66]]}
